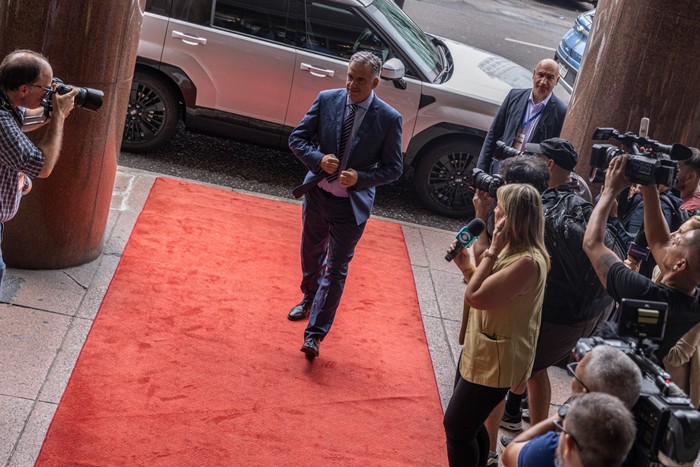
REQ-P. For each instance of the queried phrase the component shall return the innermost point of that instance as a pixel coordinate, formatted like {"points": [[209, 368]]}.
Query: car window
{"points": [[192, 11], [159, 7], [338, 31], [409, 37], [265, 19]]}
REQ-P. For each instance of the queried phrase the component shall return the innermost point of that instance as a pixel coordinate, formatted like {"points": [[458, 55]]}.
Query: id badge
{"points": [[518, 143]]}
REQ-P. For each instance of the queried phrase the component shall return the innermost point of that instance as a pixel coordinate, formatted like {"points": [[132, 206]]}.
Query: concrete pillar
{"points": [[642, 60], [89, 43]]}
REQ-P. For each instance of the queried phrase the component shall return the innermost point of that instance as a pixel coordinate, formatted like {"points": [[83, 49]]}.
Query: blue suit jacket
{"points": [[375, 151], [508, 120]]}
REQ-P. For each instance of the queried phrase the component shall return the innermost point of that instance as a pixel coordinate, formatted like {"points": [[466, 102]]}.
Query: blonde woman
{"points": [[503, 304]]}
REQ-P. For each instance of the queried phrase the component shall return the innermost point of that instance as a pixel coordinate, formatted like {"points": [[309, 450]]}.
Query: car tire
{"points": [[152, 116], [442, 177]]}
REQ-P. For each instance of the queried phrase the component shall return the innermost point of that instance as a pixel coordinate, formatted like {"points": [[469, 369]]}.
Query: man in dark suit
{"points": [[351, 142], [526, 116]]}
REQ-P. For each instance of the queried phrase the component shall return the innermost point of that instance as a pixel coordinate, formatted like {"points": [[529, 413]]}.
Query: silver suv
{"points": [[249, 69]]}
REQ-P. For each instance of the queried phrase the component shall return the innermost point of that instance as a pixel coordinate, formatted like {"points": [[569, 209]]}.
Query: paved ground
{"points": [[45, 317]]}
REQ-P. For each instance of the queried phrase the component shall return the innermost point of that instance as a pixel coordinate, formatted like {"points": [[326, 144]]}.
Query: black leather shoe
{"points": [[300, 311], [310, 347]]}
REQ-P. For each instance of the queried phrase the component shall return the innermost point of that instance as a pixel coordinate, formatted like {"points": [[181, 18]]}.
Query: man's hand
{"points": [[615, 180], [483, 204], [63, 104], [330, 163], [348, 178], [603, 258]]}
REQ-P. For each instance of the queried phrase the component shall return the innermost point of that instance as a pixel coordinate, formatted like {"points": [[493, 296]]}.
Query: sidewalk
{"points": [[45, 317]]}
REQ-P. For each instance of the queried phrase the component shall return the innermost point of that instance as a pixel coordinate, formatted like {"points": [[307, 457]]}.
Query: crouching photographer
{"points": [[668, 425], [25, 81], [678, 257]]}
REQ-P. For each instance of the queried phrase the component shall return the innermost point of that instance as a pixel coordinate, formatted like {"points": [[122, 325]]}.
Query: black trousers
{"points": [[468, 409]]}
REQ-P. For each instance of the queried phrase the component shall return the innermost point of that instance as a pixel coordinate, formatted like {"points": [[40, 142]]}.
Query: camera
{"points": [[485, 182], [645, 168], [503, 151], [668, 425], [87, 98]]}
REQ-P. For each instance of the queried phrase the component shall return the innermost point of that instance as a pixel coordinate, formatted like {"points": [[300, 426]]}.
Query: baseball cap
{"points": [[557, 149]]}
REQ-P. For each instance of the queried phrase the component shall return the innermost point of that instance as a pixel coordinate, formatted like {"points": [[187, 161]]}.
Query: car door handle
{"points": [[189, 39], [316, 71]]}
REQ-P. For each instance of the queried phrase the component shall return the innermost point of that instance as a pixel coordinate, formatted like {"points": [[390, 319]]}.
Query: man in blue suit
{"points": [[526, 116], [351, 142]]}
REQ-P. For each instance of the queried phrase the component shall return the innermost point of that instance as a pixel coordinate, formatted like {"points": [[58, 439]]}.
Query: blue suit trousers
{"points": [[329, 235]]}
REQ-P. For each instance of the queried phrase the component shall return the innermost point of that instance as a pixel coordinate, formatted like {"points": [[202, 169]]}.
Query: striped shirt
{"points": [[18, 155]]}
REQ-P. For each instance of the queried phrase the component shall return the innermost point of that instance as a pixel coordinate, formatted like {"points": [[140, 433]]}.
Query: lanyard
{"points": [[533, 118]]}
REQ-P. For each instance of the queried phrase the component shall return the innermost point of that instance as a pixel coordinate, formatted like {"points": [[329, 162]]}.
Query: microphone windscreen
{"points": [[476, 226]]}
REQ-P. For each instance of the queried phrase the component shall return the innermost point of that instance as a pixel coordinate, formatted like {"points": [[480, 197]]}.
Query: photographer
{"points": [[605, 370], [596, 430], [561, 159], [678, 258], [25, 79], [688, 181]]}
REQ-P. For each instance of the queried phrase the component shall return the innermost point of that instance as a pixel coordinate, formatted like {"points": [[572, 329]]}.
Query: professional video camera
{"points": [[87, 98], [645, 168], [485, 182], [668, 425]]}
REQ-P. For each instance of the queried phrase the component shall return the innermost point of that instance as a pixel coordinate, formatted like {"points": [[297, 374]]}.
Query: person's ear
{"points": [[680, 265], [569, 446], [375, 82]]}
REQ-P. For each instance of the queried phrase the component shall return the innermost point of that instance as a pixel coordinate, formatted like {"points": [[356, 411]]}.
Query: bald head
{"points": [[544, 78], [22, 67], [691, 246], [548, 62]]}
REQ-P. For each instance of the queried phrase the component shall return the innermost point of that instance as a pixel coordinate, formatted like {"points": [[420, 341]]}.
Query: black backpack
{"points": [[573, 292]]}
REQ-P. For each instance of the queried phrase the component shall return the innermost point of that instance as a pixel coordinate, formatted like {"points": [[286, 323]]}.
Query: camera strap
{"points": [[6, 105]]}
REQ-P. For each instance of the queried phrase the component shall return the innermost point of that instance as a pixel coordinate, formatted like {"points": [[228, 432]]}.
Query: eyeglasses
{"points": [[45, 88], [571, 369], [559, 428]]}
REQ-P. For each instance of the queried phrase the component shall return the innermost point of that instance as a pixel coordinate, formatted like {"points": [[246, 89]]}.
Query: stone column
{"points": [[89, 43], [642, 60]]}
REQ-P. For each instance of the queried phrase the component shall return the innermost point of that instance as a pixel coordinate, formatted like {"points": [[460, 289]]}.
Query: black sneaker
{"points": [[511, 422]]}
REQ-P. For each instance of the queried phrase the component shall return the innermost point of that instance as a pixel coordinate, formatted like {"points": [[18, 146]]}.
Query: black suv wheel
{"points": [[152, 115], [442, 177]]}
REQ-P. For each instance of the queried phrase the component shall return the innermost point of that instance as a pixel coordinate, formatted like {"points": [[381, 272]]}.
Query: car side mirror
{"points": [[394, 70]]}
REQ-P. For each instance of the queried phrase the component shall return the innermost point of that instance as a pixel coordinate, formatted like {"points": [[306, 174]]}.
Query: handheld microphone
{"points": [[465, 237]]}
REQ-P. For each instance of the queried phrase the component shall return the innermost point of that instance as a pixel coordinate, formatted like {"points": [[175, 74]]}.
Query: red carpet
{"points": [[192, 361]]}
